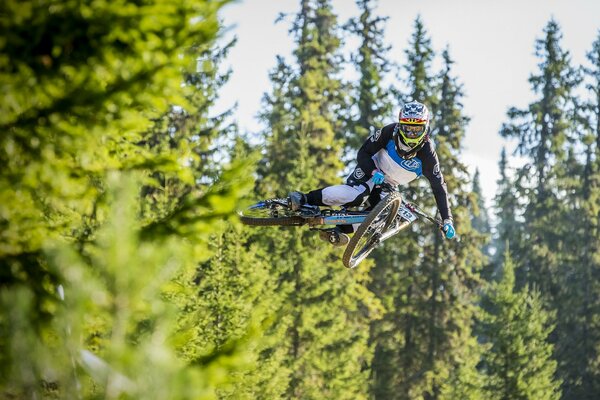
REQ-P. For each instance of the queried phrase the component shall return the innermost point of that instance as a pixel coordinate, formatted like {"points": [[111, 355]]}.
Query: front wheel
{"points": [[372, 231]]}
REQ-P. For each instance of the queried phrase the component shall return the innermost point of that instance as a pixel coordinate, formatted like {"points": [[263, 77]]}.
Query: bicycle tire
{"points": [[259, 215], [393, 200], [280, 221]]}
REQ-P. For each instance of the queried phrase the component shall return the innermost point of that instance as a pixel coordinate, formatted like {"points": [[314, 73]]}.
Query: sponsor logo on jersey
{"points": [[376, 135], [436, 170], [410, 165], [359, 173]]}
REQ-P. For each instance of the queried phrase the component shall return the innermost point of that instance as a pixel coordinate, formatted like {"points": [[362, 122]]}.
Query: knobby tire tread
{"points": [[283, 221]]}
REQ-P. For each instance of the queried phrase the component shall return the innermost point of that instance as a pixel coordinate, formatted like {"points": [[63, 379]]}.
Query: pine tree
{"points": [[508, 228], [578, 305], [325, 310], [481, 220], [431, 311], [452, 269], [420, 56], [397, 278], [519, 361], [86, 308], [373, 105], [542, 130], [78, 92]]}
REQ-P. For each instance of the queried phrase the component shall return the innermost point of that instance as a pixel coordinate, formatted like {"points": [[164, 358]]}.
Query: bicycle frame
{"points": [[372, 225], [407, 211], [344, 220]]}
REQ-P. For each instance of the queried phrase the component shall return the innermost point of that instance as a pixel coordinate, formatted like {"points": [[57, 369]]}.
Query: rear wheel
{"points": [[372, 231], [270, 213]]}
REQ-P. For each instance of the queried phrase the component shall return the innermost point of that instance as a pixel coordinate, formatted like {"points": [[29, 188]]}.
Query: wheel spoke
{"points": [[378, 226]]}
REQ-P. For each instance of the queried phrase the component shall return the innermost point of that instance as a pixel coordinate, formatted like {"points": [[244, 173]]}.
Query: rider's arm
{"points": [[372, 145], [431, 170]]}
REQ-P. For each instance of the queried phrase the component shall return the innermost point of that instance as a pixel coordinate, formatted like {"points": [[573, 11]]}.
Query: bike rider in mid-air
{"points": [[396, 154]]}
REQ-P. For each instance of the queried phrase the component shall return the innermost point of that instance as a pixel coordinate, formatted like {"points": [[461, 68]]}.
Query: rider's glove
{"points": [[448, 229], [378, 177]]}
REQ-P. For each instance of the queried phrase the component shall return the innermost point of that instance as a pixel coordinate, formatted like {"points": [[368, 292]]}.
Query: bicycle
{"points": [[387, 218]]}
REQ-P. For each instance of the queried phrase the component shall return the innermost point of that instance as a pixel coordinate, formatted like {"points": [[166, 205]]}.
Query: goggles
{"points": [[412, 131]]}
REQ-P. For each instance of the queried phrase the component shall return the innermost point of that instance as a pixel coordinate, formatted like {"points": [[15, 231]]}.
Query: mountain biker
{"points": [[397, 154]]}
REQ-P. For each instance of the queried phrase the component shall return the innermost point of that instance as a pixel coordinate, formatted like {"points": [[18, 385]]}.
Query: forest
{"points": [[126, 274]]}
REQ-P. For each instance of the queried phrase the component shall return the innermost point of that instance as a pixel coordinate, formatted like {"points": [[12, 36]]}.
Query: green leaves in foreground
{"points": [[114, 334]]}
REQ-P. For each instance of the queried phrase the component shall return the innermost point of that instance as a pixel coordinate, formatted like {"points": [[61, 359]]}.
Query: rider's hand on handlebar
{"points": [[448, 229], [378, 177]]}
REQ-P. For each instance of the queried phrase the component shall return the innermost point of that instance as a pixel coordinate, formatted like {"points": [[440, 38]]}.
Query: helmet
{"points": [[411, 131]]}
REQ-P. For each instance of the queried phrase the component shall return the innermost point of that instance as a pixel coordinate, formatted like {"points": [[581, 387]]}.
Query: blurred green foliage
{"points": [[123, 273], [89, 258]]}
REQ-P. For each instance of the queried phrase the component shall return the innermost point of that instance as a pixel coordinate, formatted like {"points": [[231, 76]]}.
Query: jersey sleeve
{"points": [[371, 146], [432, 171]]}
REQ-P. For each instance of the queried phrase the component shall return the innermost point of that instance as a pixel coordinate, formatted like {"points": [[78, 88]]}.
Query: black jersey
{"points": [[379, 152]]}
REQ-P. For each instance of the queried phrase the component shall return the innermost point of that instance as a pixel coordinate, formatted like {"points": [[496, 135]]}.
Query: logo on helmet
{"points": [[415, 111]]}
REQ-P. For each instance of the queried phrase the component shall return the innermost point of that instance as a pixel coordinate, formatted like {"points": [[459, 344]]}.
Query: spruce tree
{"points": [[86, 295], [557, 223], [371, 98], [452, 268], [481, 220], [518, 363], [420, 55], [431, 311], [372, 110], [578, 305], [325, 310], [397, 278], [420, 87], [591, 194], [507, 208], [79, 90], [233, 300], [542, 129]]}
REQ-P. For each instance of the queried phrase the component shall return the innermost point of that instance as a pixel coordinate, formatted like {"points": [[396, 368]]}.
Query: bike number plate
{"points": [[407, 214]]}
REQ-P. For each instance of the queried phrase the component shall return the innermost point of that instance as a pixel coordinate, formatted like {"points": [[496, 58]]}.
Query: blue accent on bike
{"points": [[344, 219], [257, 205], [413, 164]]}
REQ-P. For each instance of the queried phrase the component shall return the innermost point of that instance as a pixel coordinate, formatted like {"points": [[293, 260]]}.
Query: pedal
{"points": [[333, 237]]}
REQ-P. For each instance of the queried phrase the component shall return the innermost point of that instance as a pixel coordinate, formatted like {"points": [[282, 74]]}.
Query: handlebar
{"points": [[423, 214], [386, 187]]}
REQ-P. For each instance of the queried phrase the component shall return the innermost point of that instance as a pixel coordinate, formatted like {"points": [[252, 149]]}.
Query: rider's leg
{"points": [[339, 195], [375, 197], [353, 193], [356, 190], [348, 195]]}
